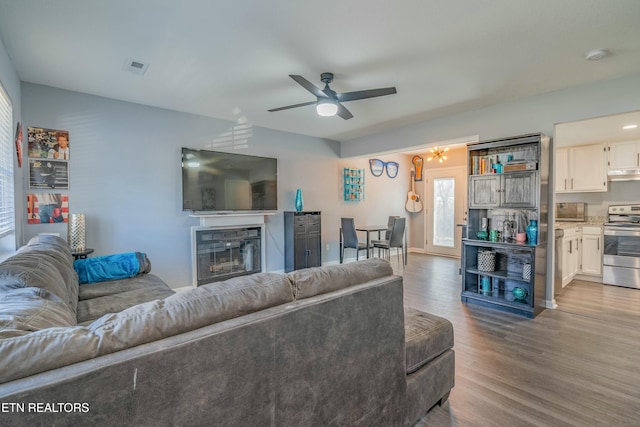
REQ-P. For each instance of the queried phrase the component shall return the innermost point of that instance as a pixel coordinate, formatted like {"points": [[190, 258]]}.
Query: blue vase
{"points": [[299, 201], [532, 232]]}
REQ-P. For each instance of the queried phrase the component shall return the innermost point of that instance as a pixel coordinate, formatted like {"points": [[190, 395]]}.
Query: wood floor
{"points": [[578, 365]]}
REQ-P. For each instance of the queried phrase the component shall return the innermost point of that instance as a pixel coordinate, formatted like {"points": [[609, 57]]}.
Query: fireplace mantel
{"points": [[231, 219]]}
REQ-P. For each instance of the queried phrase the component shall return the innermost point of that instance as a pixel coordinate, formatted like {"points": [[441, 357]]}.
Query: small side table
{"points": [[81, 254]]}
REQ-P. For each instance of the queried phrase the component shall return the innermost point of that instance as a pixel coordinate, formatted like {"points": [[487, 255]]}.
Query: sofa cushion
{"points": [[193, 309], [59, 250], [97, 290], [426, 337], [98, 299], [44, 350], [52, 348], [309, 282], [31, 309], [45, 269]]}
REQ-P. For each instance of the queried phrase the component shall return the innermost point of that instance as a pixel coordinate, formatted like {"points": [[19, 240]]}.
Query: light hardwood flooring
{"points": [[578, 365]]}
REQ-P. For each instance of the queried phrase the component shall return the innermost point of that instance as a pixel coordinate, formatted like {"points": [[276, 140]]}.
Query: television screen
{"points": [[213, 181]]}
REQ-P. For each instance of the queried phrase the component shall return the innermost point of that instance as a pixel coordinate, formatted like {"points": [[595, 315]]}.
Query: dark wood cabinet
{"points": [[508, 180], [302, 240]]}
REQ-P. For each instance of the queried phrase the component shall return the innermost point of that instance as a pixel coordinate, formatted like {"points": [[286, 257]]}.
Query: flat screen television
{"points": [[214, 181]]}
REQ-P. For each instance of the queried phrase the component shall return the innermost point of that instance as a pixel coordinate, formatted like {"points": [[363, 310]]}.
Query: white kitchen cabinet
{"points": [[570, 254], [591, 251], [624, 155], [581, 169], [563, 179]]}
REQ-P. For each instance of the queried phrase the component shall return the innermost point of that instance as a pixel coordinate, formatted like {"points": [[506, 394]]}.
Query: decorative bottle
{"points": [[299, 201], [532, 232]]}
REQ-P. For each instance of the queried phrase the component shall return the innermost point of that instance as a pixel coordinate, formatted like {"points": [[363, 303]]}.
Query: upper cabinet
{"points": [[581, 169], [508, 190], [624, 155], [624, 160]]}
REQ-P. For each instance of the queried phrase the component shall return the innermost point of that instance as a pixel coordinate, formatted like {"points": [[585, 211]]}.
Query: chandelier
{"points": [[438, 153]]}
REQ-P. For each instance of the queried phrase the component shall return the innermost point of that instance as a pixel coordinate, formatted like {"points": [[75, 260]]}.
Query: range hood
{"points": [[624, 175]]}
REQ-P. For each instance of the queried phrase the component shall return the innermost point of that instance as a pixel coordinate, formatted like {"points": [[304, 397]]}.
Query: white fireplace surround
{"points": [[228, 221]]}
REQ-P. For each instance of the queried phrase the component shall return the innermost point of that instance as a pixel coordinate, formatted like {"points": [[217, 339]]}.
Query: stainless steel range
{"points": [[621, 266]]}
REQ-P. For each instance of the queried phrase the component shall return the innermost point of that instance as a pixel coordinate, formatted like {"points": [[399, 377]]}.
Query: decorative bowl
{"points": [[520, 293]]}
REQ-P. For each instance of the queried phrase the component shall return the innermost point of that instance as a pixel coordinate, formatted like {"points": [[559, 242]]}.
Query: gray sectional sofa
{"points": [[316, 347]]}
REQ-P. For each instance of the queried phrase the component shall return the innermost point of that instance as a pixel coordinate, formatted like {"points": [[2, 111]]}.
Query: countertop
{"points": [[572, 224]]}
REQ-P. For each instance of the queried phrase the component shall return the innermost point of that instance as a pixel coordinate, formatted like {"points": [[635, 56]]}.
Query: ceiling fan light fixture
{"points": [[327, 107]]}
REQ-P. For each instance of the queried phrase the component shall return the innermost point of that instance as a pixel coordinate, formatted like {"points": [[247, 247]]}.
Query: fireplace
{"points": [[227, 245], [222, 253]]}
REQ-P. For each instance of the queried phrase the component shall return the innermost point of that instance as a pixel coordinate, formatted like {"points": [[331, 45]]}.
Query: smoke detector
{"points": [[596, 54]]}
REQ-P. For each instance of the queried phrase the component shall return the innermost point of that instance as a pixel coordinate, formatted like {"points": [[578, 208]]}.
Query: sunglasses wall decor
{"points": [[377, 166]]}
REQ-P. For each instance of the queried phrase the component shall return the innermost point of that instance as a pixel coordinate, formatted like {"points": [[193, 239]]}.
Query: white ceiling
{"points": [[231, 59], [599, 129]]}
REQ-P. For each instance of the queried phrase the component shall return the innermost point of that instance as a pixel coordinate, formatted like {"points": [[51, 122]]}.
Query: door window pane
{"points": [[444, 212]]}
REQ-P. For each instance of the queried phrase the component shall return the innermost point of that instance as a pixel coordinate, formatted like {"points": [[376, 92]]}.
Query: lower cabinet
{"points": [[591, 251], [504, 276], [570, 254], [582, 249], [302, 240]]}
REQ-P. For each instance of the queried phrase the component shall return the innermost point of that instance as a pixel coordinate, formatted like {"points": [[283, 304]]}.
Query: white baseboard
{"points": [[182, 289]]}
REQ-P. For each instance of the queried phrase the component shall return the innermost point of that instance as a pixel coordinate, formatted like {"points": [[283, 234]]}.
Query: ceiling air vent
{"points": [[136, 67]]}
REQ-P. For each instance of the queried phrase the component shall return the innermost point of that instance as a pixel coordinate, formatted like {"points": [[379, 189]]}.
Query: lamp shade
{"points": [[327, 107], [76, 233]]}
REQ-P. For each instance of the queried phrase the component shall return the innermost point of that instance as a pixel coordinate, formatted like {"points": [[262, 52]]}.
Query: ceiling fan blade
{"points": [[363, 94], [294, 106], [308, 85], [343, 112]]}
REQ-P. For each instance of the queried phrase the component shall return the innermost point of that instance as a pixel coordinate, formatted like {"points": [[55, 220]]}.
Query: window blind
{"points": [[7, 207]]}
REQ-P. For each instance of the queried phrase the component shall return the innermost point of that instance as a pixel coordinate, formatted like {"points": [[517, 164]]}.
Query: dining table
{"points": [[368, 229]]}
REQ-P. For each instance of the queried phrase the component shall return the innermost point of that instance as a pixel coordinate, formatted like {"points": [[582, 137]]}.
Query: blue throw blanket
{"points": [[111, 267]]}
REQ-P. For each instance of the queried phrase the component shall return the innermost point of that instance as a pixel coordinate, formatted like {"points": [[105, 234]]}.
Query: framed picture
{"points": [[48, 144], [45, 173], [47, 208]]}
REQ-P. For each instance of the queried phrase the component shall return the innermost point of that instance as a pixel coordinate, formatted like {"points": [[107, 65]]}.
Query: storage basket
{"points": [[486, 261]]}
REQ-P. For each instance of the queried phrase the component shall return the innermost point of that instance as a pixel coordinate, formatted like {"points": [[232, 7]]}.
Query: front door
{"points": [[445, 206]]}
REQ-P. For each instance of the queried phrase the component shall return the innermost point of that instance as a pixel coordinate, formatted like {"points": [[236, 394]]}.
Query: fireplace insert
{"points": [[224, 253]]}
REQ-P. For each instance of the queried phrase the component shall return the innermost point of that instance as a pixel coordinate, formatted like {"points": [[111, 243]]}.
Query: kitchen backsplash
{"points": [[620, 193]]}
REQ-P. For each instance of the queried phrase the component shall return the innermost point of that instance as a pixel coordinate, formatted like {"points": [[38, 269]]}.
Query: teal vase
{"points": [[299, 201], [532, 232]]}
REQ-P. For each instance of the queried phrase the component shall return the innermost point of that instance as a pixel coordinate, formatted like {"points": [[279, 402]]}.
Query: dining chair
{"points": [[396, 239], [350, 238], [387, 233]]}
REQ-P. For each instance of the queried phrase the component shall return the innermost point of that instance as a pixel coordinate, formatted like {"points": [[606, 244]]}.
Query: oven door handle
{"points": [[622, 231]]}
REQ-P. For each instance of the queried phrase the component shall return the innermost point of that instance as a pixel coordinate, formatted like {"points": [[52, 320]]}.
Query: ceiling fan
{"points": [[329, 102]]}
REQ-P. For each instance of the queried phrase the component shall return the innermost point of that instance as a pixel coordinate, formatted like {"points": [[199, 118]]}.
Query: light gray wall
{"points": [[11, 84], [125, 177]]}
